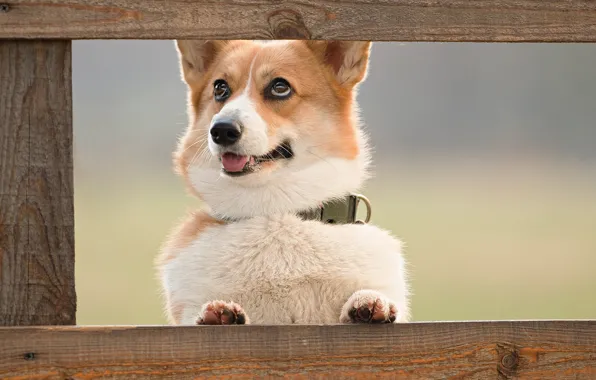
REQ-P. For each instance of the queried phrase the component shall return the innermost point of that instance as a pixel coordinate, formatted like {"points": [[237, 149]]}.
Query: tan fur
{"points": [[187, 231]]}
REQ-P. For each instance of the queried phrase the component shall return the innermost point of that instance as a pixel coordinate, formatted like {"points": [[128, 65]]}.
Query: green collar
{"points": [[339, 211]]}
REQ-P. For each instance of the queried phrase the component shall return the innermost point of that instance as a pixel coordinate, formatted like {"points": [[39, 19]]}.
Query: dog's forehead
{"points": [[262, 58], [236, 62], [279, 57]]}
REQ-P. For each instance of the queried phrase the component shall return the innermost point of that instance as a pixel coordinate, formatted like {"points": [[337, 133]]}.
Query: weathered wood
{"points": [[382, 20], [472, 350], [36, 184]]}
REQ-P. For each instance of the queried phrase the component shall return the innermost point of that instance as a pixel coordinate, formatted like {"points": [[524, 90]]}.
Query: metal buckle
{"points": [[344, 211], [358, 198]]}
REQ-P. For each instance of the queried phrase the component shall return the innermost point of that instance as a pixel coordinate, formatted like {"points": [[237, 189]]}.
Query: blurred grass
{"points": [[505, 242]]}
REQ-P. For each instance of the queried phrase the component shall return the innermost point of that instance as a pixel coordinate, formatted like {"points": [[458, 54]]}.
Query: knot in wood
{"points": [[510, 361], [29, 356], [4, 8], [287, 24]]}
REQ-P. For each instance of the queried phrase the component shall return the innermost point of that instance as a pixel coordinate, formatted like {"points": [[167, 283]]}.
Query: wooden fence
{"points": [[37, 286]]}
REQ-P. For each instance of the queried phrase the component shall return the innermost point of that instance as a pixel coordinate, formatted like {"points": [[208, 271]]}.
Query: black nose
{"points": [[225, 133]]}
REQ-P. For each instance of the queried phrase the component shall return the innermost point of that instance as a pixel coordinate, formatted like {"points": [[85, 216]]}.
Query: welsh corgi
{"points": [[274, 133]]}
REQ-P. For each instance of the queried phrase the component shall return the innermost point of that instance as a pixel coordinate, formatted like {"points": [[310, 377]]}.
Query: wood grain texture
{"points": [[381, 20], [464, 350], [36, 184]]}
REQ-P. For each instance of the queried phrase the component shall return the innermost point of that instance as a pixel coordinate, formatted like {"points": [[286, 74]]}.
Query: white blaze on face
{"points": [[254, 140]]}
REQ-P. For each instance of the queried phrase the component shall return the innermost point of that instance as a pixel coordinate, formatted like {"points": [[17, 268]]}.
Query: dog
{"points": [[274, 132]]}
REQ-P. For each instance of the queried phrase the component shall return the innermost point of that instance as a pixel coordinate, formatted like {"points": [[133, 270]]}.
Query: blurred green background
{"points": [[485, 166]]}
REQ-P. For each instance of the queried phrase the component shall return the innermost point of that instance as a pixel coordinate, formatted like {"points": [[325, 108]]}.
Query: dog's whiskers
{"points": [[199, 154], [198, 140], [321, 158], [284, 148]]}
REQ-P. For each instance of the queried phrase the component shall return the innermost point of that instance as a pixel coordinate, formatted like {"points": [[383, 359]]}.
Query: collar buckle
{"points": [[342, 211]]}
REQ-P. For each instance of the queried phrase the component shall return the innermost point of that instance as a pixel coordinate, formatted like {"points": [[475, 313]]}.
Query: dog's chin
{"points": [[239, 166]]}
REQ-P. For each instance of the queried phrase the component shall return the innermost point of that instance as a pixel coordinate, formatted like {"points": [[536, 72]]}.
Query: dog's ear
{"points": [[196, 57], [348, 60]]}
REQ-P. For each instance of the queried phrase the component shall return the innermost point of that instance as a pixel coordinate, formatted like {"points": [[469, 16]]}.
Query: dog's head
{"points": [[273, 127]]}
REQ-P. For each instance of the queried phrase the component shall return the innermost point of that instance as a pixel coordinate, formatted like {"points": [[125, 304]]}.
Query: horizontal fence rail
{"points": [[387, 20], [463, 350]]}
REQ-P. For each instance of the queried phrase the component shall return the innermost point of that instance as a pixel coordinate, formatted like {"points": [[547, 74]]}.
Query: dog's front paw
{"points": [[222, 313], [368, 306]]}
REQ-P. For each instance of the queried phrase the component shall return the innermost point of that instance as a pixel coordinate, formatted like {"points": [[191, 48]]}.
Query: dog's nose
{"points": [[225, 133]]}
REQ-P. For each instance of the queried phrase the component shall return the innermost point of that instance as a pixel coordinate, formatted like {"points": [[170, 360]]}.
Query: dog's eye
{"points": [[221, 90], [279, 89]]}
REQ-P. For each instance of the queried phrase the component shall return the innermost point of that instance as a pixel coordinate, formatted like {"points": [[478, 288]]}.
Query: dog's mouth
{"points": [[237, 165]]}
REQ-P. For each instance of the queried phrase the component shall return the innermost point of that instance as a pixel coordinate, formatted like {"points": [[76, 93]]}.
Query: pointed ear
{"points": [[196, 57], [348, 60]]}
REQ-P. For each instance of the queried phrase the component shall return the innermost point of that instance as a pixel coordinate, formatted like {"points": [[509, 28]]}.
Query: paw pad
{"points": [[368, 307], [221, 313]]}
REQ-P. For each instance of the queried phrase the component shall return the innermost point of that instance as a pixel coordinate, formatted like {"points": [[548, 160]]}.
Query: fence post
{"points": [[36, 184]]}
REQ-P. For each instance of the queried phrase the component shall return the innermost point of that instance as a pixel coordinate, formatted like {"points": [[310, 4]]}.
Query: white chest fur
{"points": [[285, 270]]}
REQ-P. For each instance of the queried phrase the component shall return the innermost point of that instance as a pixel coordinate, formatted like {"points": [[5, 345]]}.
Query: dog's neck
{"points": [[338, 211]]}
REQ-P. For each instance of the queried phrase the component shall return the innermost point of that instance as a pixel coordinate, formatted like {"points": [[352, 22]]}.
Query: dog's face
{"points": [[273, 126]]}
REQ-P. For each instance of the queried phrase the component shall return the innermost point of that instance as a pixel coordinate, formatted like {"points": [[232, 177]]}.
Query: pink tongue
{"points": [[234, 163]]}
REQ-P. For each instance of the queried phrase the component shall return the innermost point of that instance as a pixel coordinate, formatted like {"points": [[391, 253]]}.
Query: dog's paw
{"points": [[368, 306], [222, 313]]}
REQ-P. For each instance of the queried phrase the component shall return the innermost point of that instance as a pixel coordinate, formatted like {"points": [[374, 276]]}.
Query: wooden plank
{"points": [[36, 184], [381, 20], [463, 350]]}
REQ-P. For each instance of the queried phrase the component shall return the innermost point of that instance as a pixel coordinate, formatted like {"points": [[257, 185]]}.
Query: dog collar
{"points": [[339, 211]]}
